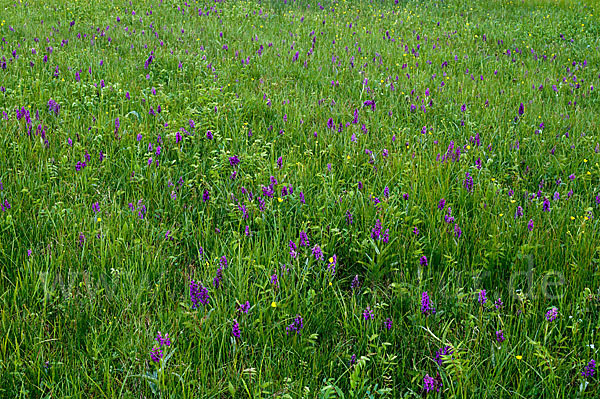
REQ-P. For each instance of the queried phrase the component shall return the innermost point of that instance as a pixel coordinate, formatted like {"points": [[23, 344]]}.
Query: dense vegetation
{"points": [[335, 199]]}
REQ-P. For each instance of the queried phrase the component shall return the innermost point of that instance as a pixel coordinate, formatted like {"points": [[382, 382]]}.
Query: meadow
{"points": [[299, 199]]}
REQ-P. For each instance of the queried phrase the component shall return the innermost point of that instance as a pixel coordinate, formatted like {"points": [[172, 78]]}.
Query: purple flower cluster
{"points": [[388, 323], [468, 183], [457, 231], [428, 383], [218, 277], [304, 239], [426, 307], [442, 204], [370, 103], [546, 205], [355, 283], [163, 340], [53, 107], [498, 304], [141, 208], [376, 233], [518, 212], [590, 369], [500, 336], [235, 329], [444, 351], [244, 308], [293, 250], [5, 206], [198, 294], [452, 153], [482, 297], [296, 326], [432, 384], [552, 314], [223, 262], [349, 218], [156, 354], [317, 252], [368, 314], [234, 161], [331, 265]]}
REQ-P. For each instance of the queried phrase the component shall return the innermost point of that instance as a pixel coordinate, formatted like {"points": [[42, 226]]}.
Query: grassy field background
{"points": [[312, 199]]}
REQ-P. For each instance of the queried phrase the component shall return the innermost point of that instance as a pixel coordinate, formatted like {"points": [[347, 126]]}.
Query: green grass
{"points": [[83, 294]]}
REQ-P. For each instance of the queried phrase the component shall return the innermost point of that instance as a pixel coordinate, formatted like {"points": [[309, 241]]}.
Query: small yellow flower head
{"points": [[99, 219], [280, 199], [273, 304], [519, 357]]}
